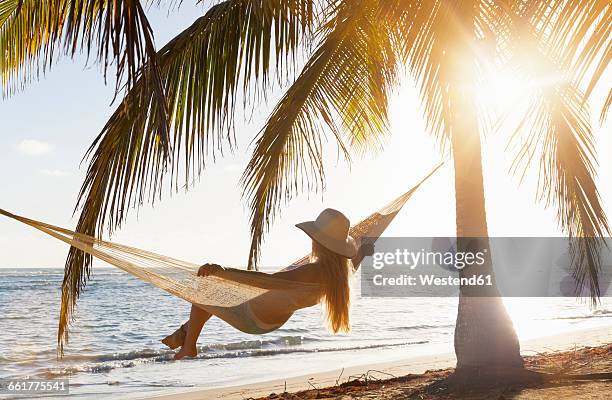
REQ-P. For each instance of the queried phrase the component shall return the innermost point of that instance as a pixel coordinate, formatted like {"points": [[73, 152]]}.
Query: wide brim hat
{"points": [[331, 230]]}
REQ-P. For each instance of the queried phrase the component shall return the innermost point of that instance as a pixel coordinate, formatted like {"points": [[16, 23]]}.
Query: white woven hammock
{"points": [[211, 293]]}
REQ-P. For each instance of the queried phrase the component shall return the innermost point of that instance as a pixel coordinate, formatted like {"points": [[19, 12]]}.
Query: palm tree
{"points": [[178, 102]]}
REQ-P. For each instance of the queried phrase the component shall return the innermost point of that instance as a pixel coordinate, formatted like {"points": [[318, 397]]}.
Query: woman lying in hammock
{"points": [[334, 257]]}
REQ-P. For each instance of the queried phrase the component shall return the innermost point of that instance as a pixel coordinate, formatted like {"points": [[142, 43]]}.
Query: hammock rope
{"points": [[212, 293]]}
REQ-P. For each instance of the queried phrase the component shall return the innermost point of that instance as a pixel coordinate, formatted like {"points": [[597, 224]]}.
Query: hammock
{"points": [[221, 297]]}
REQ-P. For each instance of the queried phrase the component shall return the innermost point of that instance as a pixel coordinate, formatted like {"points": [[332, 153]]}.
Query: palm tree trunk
{"points": [[484, 335], [485, 339]]}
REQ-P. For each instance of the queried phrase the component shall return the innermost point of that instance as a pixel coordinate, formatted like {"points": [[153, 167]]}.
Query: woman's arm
{"points": [[366, 249], [217, 270], [305, 273]]}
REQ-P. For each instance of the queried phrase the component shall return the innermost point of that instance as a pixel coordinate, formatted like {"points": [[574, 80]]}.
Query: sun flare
{"points": [[507, 90], [502, 90]]}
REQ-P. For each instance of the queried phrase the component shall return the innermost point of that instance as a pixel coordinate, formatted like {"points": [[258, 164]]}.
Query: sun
{"points": [[502, 90]]}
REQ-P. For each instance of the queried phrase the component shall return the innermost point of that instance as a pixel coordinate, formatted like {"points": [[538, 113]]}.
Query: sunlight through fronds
{"points": [[560, 137], [579, 38], [557, 121]]}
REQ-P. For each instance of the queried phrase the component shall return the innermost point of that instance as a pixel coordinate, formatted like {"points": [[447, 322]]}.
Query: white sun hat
{"points": [[331, 230]]}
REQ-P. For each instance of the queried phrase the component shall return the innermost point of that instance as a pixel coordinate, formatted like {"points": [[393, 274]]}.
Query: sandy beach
{"points": [[411, 365]]}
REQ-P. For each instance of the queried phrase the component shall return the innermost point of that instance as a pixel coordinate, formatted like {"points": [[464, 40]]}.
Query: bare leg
{"points": [[197, 319]]}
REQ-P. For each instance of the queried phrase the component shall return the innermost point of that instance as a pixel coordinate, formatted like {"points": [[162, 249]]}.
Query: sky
{"points": [[46, 129]]}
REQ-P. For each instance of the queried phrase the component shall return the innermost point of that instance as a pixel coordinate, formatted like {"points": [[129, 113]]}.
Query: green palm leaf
{"points": [[27, 40], [33, 32], [344, 85]]}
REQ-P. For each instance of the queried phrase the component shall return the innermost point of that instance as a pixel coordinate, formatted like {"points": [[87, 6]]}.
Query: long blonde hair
{"points": [[336, 294]]}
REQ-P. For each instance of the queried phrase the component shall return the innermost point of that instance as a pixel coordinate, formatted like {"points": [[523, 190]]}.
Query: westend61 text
{"points": [[432, 280]]}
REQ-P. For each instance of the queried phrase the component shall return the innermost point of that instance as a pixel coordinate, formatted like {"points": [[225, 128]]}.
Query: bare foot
{"points": [[171, 342], [177, 339], [186, 352]]}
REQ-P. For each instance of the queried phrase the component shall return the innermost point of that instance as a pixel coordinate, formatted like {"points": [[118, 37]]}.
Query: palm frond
{"points": [[438, 46], [8, 8], [560, 137], [113, 31], [605, 108], [578, 35], [342, 89], [558, 131], [28, 36], [575, 33], [568, 167], [200, 72]]}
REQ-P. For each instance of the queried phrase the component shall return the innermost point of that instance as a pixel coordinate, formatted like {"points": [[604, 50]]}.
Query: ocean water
{"points": [[114, 350]]}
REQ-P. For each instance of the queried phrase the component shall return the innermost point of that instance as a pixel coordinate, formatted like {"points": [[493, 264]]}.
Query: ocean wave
{"points": [[14, 317], [294, 330], [281, 351], [594, 314], [31, 271], [255, 348], [221, 347], [419, 327], [45, 288]]}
